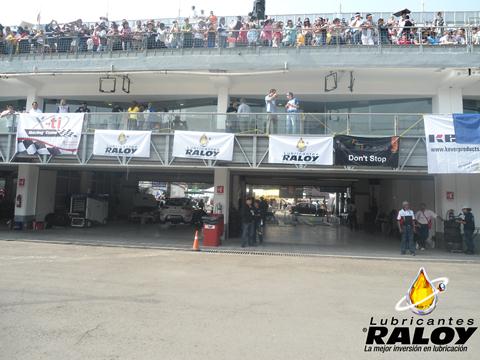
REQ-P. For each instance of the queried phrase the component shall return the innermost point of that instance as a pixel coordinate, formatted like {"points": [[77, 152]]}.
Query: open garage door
{"points": [[340, 213]]}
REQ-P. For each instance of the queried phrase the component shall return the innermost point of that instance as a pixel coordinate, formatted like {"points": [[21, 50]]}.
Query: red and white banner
{"points": [[49, 134]]}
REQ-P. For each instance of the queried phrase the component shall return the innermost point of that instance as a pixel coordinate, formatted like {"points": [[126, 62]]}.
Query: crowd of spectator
{"points": [[207, 30]]}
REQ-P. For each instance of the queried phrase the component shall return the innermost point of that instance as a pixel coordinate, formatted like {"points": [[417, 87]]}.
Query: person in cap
{"points": [[406, 224], [468, 222]]}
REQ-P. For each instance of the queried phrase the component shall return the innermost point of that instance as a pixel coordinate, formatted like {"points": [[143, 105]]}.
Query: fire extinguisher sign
{"points": [[220, 189]]}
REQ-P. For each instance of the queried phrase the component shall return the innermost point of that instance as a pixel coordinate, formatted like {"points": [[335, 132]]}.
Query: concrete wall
{"points": [[45, 204], [393, 192], [465, 193]]}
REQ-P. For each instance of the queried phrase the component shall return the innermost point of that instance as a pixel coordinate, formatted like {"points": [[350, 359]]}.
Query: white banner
{"points": [[300, 150], [203, 145], [122, 143], [444, 155], [49, 134]]}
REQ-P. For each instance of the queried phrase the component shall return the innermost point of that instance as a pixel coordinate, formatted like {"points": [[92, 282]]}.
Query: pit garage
{"points": [[105, 205], [310, 211], [307, 210]]}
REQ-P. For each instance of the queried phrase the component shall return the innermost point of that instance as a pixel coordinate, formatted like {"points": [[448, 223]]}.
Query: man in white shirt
{"points": [[424, 218], [244, 120], [355, 27], [367, 31], [8, 115], [406, 224], [271, 108], [292, 107], [35, 109]]}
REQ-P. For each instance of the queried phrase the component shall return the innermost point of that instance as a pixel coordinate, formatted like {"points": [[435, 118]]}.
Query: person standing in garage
{"points": [[468, 222], [260, 215], [248, 219], [424, 218], [352, 215], [406, 223]]}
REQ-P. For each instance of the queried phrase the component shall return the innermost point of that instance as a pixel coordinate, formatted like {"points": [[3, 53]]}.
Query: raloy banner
{"points": [[203, 145], [362, 151], [122, 143], [49, 134], [300, 150]]}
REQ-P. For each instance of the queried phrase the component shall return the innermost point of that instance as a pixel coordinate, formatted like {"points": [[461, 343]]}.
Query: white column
{"points": [[26, 198], [37, 191], [448, 100], [222, 192], [222, 84]]}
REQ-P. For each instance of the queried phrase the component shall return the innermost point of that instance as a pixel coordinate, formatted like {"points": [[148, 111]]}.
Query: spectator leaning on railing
{"points": [[201, 31]]}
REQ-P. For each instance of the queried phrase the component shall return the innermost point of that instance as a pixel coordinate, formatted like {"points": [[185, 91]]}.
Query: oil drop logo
{"points": [[203, 140], [422, 296]]}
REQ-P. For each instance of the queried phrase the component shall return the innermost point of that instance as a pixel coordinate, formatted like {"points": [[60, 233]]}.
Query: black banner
{"points": [[362, 151]]}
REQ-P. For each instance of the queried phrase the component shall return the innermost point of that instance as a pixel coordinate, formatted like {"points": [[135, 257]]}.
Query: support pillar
{"points": [[35, 196], [221, 195], [222, 84], [26, 198], [448, 100]]}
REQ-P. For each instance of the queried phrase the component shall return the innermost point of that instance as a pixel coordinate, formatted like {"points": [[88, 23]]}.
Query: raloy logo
{"points": [[301, 145], [301, 155], [204, 140], [122, 138], [422, 295], [203, 150], [419, 333]]}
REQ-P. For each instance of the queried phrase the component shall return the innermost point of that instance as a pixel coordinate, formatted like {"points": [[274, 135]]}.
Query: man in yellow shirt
{"points": [[133, 116]]}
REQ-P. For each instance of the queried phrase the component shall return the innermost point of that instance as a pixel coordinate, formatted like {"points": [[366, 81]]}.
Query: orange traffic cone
{"points": [[196, 246]]}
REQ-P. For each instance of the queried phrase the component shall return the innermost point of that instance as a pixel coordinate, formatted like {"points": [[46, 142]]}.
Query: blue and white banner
{"points": [[453, 143], [467, 128]]}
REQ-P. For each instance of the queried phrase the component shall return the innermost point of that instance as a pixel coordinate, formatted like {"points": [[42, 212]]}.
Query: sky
{"points": [[91, 10]]}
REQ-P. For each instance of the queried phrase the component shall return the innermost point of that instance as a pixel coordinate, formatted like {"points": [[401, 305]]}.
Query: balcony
{"points": [[241, 50], [251, 137]]}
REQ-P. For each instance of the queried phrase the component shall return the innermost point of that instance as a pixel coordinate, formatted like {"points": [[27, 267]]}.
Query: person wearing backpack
{"points": [[424, 219]]}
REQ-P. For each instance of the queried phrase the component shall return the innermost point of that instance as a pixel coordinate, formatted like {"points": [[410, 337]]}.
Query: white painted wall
{"points": [[47, 182], [28, 192], [447, 101], [393, 192], [222, 178], [465, 189]]}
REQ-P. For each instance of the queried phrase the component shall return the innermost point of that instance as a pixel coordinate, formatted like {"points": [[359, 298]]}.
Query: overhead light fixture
{"points": [[126, 84], [331, 81], [107, 84], [352, 81]]}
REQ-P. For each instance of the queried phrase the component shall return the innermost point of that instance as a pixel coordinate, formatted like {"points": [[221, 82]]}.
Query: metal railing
{"points": [[327, 35], [361, 124]]}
